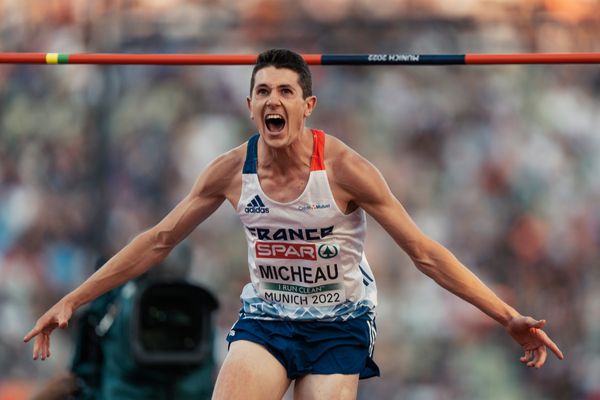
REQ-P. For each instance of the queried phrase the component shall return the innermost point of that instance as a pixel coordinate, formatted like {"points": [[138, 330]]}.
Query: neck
{"points": [[297, 154]]}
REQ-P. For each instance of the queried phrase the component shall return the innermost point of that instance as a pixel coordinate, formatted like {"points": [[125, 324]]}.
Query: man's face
{"points": [[277, 106]]}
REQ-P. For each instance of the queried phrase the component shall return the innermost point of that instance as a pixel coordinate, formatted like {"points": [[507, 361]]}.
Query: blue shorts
{"points": [[314, 347]]}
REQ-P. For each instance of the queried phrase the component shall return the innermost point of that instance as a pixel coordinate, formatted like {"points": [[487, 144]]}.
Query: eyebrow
{"points": [[282, 86]]}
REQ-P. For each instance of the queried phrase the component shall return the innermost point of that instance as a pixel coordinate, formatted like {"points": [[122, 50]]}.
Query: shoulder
{"points": [[352, 175], [344, 163], [231, 161], [221, 173], [336, 149]]}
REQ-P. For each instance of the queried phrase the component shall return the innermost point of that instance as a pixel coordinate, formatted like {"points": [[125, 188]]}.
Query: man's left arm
{"points": [[368, 189]]}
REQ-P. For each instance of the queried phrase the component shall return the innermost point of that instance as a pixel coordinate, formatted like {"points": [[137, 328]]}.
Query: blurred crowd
{"points": [[498, 163]]}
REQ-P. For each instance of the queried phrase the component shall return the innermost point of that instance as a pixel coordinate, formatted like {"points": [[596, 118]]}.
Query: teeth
{"points": [[273, 116]]}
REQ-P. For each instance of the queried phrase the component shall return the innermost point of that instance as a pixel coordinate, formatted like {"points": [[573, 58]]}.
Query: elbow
{"points": [[160, 243], [422, 253]]}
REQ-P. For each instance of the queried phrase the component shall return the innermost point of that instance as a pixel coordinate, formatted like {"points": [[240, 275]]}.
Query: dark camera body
{"points": [[149, 339]]}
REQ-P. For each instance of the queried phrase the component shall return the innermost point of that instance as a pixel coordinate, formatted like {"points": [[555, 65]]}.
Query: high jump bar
{"points": [[312, 59]]}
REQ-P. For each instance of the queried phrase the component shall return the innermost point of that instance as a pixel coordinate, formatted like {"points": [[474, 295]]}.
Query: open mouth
{"points": [[274, 122]]}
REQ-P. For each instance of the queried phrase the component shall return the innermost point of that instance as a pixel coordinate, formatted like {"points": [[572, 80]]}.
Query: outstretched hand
{"points": [[529, 334], [57, 316]]}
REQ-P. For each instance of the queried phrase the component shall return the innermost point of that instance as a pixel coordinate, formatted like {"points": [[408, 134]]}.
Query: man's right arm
{"points": [[152, 246], [213, 186]]}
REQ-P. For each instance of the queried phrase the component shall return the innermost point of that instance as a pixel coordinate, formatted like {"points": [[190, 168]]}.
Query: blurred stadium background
{"points": [[500, 164]]}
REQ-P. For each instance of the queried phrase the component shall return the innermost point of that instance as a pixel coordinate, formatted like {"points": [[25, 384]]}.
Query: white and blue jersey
{"points": [[306, 257]]}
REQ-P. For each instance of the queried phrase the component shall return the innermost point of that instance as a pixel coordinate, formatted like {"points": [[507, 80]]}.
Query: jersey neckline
{"points": [[317, 163], [317, 160]]}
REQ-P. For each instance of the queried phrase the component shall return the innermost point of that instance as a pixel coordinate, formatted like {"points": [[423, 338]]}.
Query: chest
{"points": [[283, 187], [286, 188]]}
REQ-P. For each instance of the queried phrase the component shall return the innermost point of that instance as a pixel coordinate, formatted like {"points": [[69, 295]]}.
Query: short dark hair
{"points": [[283, 58]]}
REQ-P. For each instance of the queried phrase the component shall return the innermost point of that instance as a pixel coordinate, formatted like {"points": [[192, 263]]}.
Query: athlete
{"points": [[308, 313]]}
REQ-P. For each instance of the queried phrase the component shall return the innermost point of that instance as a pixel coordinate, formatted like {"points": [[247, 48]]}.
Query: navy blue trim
{"points": [[251, 155], [365, 274]]}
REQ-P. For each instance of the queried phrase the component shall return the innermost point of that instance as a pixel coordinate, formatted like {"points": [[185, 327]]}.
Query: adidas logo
{"points": [[256, 206]]}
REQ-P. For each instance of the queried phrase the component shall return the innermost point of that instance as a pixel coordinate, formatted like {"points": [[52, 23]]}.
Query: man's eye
{"points": [[261, 92]]}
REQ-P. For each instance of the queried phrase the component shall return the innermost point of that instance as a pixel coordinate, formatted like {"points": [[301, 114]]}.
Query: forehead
{"points": [[272, 76]]}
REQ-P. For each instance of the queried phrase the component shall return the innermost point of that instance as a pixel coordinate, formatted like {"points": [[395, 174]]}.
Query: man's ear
{"points": [[249, 104], [311, 103]]}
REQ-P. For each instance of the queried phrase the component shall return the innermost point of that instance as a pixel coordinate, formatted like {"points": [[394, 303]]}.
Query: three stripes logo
{"points": [[256, 206]]}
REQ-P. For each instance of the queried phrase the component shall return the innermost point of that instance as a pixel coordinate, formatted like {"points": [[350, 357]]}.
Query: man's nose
{"points": [[273, 100]]}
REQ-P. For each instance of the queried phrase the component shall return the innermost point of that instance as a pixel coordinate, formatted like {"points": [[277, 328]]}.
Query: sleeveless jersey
{"points": [[305, 256]]}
